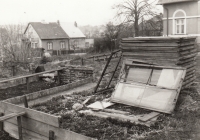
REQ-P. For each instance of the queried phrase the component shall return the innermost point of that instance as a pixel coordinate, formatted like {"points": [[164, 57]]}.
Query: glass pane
{"points": [[128, 93], [182, 21], [169, 78], [155, 76], [158, 99], [182, 29], [139, 75], [177, 29]]}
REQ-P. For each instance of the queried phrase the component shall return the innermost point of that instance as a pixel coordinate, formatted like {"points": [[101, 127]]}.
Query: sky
{"points": [[84, 12]]}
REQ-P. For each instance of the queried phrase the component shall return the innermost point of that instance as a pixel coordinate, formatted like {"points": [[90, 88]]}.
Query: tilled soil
{"points": [[21, 89]]}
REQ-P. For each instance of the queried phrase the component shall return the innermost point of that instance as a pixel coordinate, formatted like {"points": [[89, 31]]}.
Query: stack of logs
{"points": [[75, 73], [167, 51]]}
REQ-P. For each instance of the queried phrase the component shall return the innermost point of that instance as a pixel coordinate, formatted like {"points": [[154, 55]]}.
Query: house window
{"points": [[179, 22], [180, 26], [49, 46], [62, 45]]}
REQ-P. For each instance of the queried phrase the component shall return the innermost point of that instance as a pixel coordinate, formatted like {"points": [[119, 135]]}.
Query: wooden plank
{"points": [[153, 44], [171, 55], [125, 48], [116, 111], [30, 75], [12, 129], [43, 129], [6, 117], [149, 116], [33, 114]]}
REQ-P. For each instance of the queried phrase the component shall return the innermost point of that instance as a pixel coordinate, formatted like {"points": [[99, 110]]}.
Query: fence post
{"points": [[51, 135], [25, 101], [19, 123], [1, 123]]}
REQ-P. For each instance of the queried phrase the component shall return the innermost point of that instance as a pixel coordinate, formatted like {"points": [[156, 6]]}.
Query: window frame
{"points": [[175, 19], [51, 45], [62, 42]]}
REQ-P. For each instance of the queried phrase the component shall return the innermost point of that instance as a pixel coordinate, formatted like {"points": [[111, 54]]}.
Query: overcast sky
{"points": [[84, 12]]}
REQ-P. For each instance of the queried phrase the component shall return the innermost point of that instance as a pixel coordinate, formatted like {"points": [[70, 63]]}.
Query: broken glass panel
{"points": [[151, 87]]}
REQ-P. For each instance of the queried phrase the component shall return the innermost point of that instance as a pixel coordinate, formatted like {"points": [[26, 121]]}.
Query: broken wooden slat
{"points": [[116, 111], [30, 113], [149, 116], [11, 116]]}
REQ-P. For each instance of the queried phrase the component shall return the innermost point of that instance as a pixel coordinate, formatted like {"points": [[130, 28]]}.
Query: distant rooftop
{"points": [[48, 30], [71, 30], [173, 1]]}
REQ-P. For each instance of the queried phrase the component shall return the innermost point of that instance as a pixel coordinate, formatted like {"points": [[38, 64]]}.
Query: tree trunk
{"points": [[136, 27]]}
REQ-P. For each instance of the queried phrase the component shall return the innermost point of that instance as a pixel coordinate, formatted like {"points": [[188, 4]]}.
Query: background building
{"points": [[181, 17]]}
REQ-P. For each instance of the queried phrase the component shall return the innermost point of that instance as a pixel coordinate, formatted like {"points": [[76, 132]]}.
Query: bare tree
{"points": [[16, 48], [132, 11]]}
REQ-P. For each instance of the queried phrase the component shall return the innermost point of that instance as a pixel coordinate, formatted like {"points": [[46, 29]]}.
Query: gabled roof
{"points": [[173, 1], [48, 30], [71, 30]]}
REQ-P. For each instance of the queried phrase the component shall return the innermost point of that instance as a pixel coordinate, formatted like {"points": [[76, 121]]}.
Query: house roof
{"points": [[173, 1], [71, 30], [48, 30]]}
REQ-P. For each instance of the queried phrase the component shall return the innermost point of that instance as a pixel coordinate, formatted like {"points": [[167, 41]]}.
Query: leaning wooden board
{"points": [[36, 125]]}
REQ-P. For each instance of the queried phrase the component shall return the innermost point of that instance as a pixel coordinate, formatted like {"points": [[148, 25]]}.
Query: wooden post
{"points": [[51, 135], [19, 123], [59, 82], [25, 101], [1, 123], [27, 84]]}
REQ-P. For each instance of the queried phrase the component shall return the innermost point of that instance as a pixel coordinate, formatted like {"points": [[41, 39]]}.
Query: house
{"points": [[181, 17], [76, 37], [49, 36]]}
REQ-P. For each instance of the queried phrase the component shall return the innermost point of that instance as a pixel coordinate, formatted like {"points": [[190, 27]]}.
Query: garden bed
{"points": [[91, 126]]}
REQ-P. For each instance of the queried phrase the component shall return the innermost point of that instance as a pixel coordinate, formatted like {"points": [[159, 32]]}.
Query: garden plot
{"points": [[98, 124]]}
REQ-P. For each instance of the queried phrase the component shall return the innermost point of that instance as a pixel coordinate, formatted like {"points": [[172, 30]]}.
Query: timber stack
{"points": [[166, 51]]}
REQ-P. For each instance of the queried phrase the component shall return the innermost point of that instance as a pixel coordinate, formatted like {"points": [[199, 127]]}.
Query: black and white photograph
{"points": [[99, 69]]}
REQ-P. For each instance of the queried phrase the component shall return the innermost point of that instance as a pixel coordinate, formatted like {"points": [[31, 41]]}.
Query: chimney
{"points": [[58, 22], [75, 24]]}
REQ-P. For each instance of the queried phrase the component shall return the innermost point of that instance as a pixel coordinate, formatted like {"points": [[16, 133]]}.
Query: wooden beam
{"points": [[11, 116], [30, 75], [149, 116]]}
